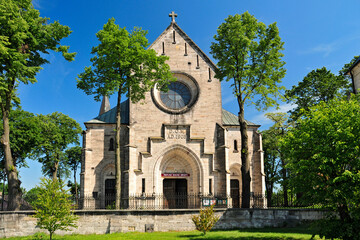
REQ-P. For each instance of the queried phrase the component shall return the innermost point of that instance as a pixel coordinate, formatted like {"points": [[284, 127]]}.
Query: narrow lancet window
{"points": [[174, 41], [111, 143], [185, 50], [235, 145], [163, 48], [197, 62], [143, 185], [209, 75]]}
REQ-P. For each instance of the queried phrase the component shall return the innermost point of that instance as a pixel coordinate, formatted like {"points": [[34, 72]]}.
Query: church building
{"points": [[176, 143]]}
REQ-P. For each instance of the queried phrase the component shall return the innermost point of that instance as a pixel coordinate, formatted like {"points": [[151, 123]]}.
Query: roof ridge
{"points": [[189, 41]]}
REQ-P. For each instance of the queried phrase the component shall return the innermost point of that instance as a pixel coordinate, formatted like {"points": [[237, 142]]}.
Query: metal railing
{"points": [[146, 201]]}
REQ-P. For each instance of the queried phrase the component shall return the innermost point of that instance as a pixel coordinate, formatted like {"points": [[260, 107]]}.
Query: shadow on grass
{"points": [[259, 233]]}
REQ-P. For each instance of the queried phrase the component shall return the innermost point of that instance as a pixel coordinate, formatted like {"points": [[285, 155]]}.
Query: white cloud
{"points": [[228, 99], [36, 4], [327, 48], [262, 120]]}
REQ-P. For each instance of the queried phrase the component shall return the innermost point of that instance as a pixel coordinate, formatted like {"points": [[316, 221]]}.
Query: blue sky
{"points": [[316, 34]]}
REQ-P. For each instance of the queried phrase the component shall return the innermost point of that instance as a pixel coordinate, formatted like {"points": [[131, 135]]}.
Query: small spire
{"points": [[105, 105], [173, 15]]}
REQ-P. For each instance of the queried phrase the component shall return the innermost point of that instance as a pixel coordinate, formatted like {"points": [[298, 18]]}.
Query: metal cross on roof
{"points": [[173, 16]]}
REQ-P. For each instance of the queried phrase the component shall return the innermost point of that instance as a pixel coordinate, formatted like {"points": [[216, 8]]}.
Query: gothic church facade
{"points": [[176, 142]]}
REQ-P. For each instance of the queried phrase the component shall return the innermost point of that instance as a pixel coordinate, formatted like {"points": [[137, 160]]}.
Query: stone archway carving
{"points": [[178, 158]]}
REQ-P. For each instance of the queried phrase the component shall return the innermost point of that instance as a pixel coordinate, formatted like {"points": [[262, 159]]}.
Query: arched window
{"points": [[235, 145], [111, 147]]}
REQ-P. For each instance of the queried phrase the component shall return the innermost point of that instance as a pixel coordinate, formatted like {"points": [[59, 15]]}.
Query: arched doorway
{"points": [[178, 178], [235, 185]]}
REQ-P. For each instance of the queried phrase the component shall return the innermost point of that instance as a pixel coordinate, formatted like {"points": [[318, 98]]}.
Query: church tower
{"points": [[175, 143]]}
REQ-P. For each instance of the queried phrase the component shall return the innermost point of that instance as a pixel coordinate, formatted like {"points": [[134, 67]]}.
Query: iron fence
{"points": [[146, 201]]}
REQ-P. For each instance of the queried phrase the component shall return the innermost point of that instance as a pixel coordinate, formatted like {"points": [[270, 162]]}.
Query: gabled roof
{"points": [[230, 119], [110, 116], [188, 41]]}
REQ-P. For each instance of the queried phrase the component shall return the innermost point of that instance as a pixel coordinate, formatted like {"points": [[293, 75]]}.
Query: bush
{"points": [[205, 220], [53, 207]]}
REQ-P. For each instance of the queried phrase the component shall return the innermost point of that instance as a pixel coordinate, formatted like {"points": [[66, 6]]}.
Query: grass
{"points": [[243, 234]]}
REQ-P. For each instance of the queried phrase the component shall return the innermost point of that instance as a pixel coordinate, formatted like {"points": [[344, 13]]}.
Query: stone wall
{"points": [[109, 221]]}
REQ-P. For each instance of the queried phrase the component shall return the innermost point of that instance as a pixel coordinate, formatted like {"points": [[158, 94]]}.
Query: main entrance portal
{"points": [[175, 193]]}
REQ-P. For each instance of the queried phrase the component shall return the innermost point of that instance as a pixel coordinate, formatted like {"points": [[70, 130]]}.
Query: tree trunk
{"points": [[245, 161], [14, 192], [117, 153], [56, 166], [284, 177], [3, 195], [76, 194], [269, 192]]}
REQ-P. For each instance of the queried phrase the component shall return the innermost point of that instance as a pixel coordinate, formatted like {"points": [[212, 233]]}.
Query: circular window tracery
{"points": [[181, 96], [177, 97]]}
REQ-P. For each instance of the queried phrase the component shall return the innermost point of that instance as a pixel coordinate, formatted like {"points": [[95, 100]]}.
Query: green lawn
{"points": [[251, 234]]}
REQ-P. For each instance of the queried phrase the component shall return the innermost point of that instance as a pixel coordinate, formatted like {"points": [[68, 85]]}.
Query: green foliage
{"points": [[205, 221], [53, 207], [32, 195], [24, 135], [57, 132], [347, 66], [25, 41], [249, 52], [318, 85], [121, 63], [73, 188], [274, 159], [324, 159]]}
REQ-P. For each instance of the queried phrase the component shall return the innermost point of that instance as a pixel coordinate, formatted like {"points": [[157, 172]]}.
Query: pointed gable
{"points": [[190, 43]]}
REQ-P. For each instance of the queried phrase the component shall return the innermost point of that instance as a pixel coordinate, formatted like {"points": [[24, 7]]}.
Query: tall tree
{"points": [[274, 159], [324, 162], [73, 157], [249, 55], [318, 85], [123, 65], [25, 39], [58, 131]]}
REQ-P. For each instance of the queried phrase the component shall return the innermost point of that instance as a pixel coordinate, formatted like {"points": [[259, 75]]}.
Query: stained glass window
{"points": [[177, 97]]}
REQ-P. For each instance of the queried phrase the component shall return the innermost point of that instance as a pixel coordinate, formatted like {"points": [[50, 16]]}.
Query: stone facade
{"points": [[196, 145]]}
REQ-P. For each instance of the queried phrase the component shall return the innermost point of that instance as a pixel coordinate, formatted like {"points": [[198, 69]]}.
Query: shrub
{"points": [[205, 220], [53, 207]]}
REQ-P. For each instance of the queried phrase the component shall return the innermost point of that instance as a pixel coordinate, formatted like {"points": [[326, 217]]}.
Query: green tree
{"points": [[24, 136], [324, 162], [25, 39], [58, 131], [249, 55], [205, 221], [53, 207], [318, 85], [123, 65], [73, 157], [274, 159], [32, 195]]}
